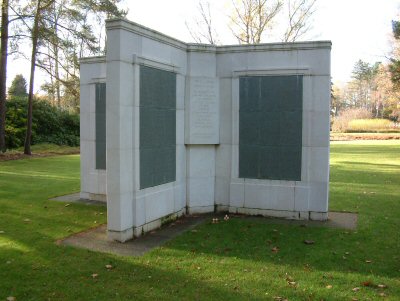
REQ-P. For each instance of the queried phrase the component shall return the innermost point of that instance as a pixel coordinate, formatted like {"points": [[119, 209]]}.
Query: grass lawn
{"points": [[227, 261]]}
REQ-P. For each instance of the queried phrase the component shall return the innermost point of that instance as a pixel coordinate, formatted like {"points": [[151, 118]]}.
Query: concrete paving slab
{"points": [[96, 239], [76, 198]]}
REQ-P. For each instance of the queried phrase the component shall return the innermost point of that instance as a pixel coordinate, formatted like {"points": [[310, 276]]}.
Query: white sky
{"points": [[358, 29]]}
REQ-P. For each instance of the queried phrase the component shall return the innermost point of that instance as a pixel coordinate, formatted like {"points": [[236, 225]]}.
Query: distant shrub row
{"points": [[372, 126], [361, 121], [49, 125]]}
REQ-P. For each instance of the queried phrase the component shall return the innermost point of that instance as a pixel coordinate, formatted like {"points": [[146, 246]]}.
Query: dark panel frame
{"points": [[157, 127], [270, 127], [100, 125]]}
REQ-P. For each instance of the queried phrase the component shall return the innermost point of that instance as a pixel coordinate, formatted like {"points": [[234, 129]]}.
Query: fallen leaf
{"points": [[354, 299], [368, 261], [292, 283], [109, 266], [95, 275], [278, 298], [11, 298], [309, 242], [356, 289], [27, 220], [275, 249], [66, 205], [367, 283], [329, 287], [382, 285]]}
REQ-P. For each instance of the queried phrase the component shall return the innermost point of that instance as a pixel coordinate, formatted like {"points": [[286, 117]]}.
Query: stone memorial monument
{"points": [[169, 128]]}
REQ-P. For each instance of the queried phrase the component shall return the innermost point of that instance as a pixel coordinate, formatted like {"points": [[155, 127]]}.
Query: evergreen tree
{"points": [[18, 86]]}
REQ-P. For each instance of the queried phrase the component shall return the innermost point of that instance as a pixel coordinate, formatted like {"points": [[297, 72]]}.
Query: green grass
{"points": [[227, 261]]}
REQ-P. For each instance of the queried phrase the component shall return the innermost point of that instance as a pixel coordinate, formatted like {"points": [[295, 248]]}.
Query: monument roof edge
{"points": [[120, 23], [92, 59], [309, 45]]}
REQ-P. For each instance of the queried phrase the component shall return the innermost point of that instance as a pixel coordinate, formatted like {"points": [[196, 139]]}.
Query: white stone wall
{"points": [[93, 181], [206, 129]]}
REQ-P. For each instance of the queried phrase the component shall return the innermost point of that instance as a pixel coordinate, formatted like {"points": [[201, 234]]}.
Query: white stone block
{"points": [[159, 202], [318, 216], [201, 209], [181, 163], [139, 211], [121, 236], [202, 64], [201, 161], [200, 191], [319, 164], [84, 105], [180, 92], [318, 197], [317, 59], [223, 160], [301, 197], [269, 197], [236, 194], [156, 51], [316, 128], [179, 197], [225, 111], [222, 190], [180, 126]]}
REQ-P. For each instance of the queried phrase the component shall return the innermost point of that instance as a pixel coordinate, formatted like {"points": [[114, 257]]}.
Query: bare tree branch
{"points": [[299, 14]]}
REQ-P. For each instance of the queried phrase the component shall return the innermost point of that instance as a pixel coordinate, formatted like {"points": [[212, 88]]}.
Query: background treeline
{"points": [[50, 123], [51, 35], [370, 102]]}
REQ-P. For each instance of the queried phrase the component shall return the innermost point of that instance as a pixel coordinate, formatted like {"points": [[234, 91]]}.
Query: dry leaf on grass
{"points": [[382, 285], [109, 266], [95, 276], [368, 261], [275, 249], [329, 287], [356, 289], [309, 242], [367, 283]]}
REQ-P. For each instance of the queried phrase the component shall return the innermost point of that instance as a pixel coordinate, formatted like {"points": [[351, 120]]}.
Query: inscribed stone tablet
{"points": [[203, 111]]}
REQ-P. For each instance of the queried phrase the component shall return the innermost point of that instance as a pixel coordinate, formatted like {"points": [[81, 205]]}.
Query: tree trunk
{"points": [[55, 49], [35, 37], [3, 73]]}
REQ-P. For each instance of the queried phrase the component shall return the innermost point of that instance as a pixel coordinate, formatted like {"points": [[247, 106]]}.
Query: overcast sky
{"points": [[358, 29]]}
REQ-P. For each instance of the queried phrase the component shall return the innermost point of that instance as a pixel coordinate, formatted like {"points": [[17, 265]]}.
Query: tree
{"points": [[35, 38], [251, 19], [363, 75], [299, 13], [394, 66], [18, 86], [205, 31], [3, 72]]}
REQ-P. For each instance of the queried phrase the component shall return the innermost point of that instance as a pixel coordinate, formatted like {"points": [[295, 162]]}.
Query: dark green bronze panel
{"points": [[100, 125], [157, 127], [270, 127]]}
